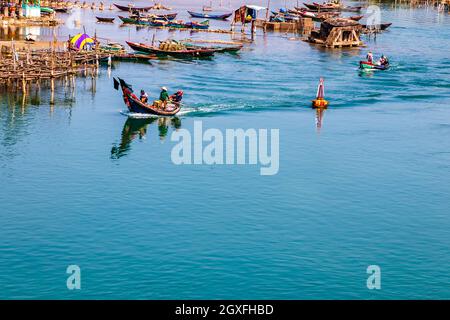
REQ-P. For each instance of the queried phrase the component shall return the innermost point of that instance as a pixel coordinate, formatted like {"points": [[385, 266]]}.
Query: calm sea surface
{"points": [[364, 183]]}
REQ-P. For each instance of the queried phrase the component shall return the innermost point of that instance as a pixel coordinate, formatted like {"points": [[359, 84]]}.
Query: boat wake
{"points": [[136, 115]]}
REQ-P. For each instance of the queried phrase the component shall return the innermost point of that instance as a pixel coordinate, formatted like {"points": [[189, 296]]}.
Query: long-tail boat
{"points": [[210, 15], [188, 52], [135, 105], [127, 8]]}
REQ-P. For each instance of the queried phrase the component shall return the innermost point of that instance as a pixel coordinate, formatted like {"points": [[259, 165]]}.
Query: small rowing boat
{"points": [[104, 19], [137, 106], [186, 52], [366, 65], [132, 8], [210, 15]]}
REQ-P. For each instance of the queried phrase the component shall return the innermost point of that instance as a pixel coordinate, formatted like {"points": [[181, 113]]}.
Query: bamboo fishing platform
{"points": [[21, 67]]}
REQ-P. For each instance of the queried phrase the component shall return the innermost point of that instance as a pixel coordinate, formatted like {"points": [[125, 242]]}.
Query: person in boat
{"points": [[177, 97], [164, 97], [143, 97], [383, 60], [369, 57]]}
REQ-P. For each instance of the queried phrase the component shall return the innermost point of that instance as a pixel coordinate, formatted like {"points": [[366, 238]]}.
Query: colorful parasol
{"points": [[80, 40]]}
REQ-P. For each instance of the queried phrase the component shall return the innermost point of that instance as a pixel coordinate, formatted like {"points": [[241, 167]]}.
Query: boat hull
{"points": [[365, 65], [210, 15], [143, 22], [140, 47], [126, 8], [109, 20]]}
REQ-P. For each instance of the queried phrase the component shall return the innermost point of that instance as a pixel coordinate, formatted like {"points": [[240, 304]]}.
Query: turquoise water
{"points": [[82, 184]]}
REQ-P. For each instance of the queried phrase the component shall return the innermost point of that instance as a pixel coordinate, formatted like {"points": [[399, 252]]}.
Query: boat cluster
{"points": [[321, 12]]}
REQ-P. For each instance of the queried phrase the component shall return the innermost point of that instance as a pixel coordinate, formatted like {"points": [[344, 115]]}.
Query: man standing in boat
{"points": [[164, 97]]}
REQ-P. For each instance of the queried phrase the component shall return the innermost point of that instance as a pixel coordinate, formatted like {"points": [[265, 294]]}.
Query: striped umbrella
{"points": [[80, 40]]}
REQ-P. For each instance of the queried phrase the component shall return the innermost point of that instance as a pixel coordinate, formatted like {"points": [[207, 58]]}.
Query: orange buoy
{"points": [[320, 101]]}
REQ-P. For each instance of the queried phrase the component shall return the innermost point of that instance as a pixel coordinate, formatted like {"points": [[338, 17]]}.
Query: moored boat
{"points": [[135, 105], [104, 19], [185, 52], [323, 7], [143, 22], [356, 18], [318, 16], [132, 8], [218, 49], [210, 15]]}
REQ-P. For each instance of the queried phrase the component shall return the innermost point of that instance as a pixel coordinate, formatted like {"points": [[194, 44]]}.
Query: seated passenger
{"points": [[177, 97], [143, 97]]}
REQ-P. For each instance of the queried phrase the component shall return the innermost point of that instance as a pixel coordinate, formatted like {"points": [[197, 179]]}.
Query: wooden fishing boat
{"points": [[366, 65], [196, 25], [127, 8], [356, 18], [168, 16], [104, 19], [143, 22], [210, 15], [132, 57], [137, 106], [318, 16], [188, 52], [330, 7], [217, 49], [188, 25], [62, 10], [352, 9], [381, 26], [323, 7], [163, 23]]}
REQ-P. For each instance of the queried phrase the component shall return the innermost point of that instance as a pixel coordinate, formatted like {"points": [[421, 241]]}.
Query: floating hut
{"points": [[337, 33]]}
